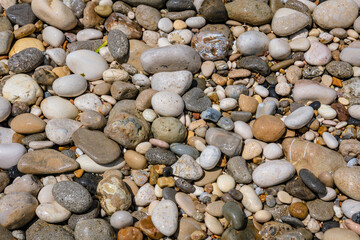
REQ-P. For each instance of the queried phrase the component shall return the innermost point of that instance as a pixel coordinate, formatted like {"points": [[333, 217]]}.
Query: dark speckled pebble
{"points": [[167, 171], [20, 14], [241, 116], [196, 100], [292, 221], [312, 182], [184, 185], [329, 224], [25, 60], [89, 181], [160, 156], [179, 5], [169, 194], [14, 172]]}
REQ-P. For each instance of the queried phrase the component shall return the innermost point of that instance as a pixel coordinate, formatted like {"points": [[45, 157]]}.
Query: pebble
{"points": [[94, 229], [46, 161], [26, 60], [306, 90], [235, 215], [185, 203], [56, 14], [145, 195], [327, 112], [17, 209], [272, 173], [96, 145], [272, 151], [268, 128], [354, 111], [279, 49], [283, 25], [70, 86], [320, 210], [254, 12], [23, 88], [88, 34], [63, 109], [52, 212], [60, 131], [318, 54], [213, 224], [168, 129], [53, 36], [299, 118], [225, 183], [195, 100], [338, 14], [252, 43], [345, 178], [209, 157], [312, 182], [118, 45], [188, 57], [86, 63], [121, 219], [330, 140], [177, 82], [167, 104], [250, 200], [10, 154]]}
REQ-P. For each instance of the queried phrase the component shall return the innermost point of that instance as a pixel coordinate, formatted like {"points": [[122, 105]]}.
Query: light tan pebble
{"points": [[314, 32], [158, 191], [340, 233], [237, 30], [352, 33], [179, 24], [300, 44], [199, 145], [251, 150], [45, 194], [134, 159], [216, 190], [338, 212], [262, 216], [112, 75], [149, 115], [40, 144], [343, 101], [225, 183], [52, 212], [159, 143], [36, 110], [356, 71], [313, 226], [325, 37], [327, 112], [143, 147], [250, 200], [333, 46], [326, 80], [313, 39], [284, 197], [213, 224], [295, 200], [340, 125], [152, 205], [309, 135], [282, 89], [48, 180], [108, 99]]}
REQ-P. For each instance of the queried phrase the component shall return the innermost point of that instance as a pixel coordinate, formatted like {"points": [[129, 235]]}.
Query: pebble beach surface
{"points": [[179, 119]]}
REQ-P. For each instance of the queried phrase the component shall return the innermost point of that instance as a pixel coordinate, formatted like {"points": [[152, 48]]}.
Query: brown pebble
{"points": [[326, 179], [298, 210], [129, 233], [134, 159]]}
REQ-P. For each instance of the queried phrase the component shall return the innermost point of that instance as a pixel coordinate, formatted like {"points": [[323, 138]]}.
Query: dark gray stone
{"points": [[91, 45], [160, 156], [152, 3], [214, 11], [298, 189], [238, 169], [196, 100], [76, 6], [118, 44], [180, 149], [241, 116], [254, 64], [312, 182], [25, 60], [169, 194], [234, 91], [21, 14], [294, 222], [93, 212], [179, 5], [235, 215], [184, 185], [183, 15], [123, 90], [72, 196]]}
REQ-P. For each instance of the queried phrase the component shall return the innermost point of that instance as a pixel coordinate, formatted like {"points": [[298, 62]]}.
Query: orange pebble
{"points": [[337, 82], [78, 173]]}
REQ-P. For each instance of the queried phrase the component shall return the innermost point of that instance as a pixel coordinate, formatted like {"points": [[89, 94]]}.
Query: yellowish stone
{"points": [[24, 43]]}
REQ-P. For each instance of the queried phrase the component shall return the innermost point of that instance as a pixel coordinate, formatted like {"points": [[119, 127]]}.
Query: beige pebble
{"points": [[262, 216], [251, 150], [284, 197]]}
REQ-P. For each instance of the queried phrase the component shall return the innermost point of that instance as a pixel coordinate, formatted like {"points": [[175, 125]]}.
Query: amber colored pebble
{"points": [[153, 176], [166, 182], [337, 82], [214, 97], [320, 141], [208, 188], [78, 173], [322, 129], [129, 233], [148, 228], [298, 210], [263, 197]]}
